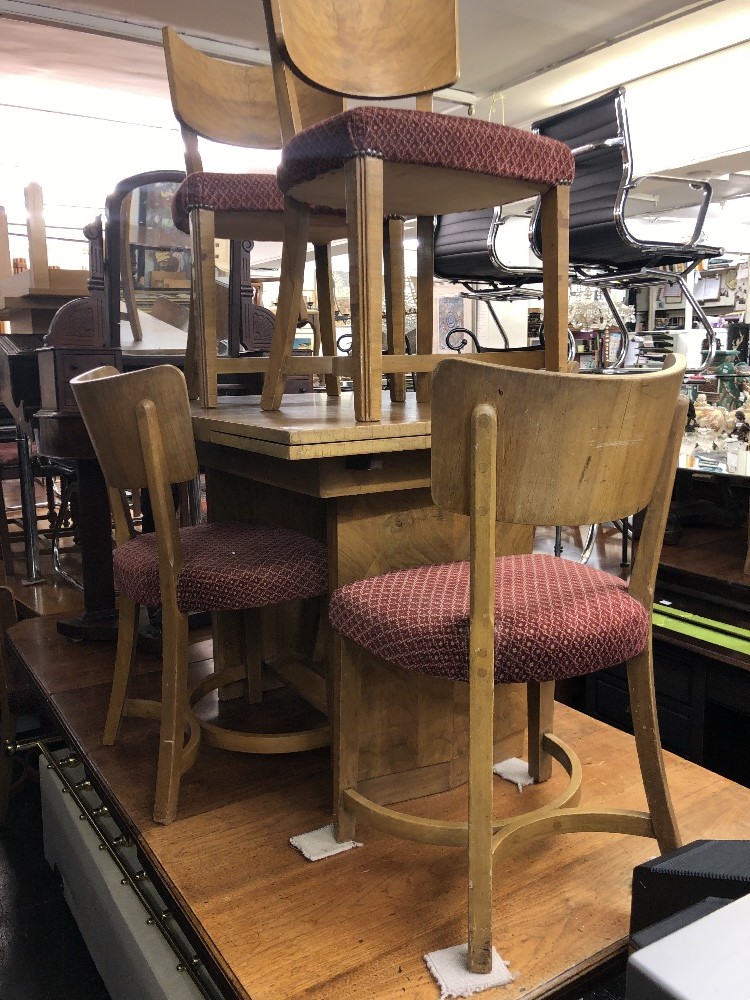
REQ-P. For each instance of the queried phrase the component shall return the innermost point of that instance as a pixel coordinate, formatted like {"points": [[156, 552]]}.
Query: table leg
{"points": [[99, 619]]}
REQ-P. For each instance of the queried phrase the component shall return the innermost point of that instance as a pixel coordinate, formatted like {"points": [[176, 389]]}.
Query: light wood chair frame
{"points": [[236, 105], [608, 448], [140, 426], [410, 52]]}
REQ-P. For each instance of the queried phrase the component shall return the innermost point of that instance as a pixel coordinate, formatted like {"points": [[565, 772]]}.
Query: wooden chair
{"points": [[236, 105], [377, 161], [139, 424], [522, 447]]}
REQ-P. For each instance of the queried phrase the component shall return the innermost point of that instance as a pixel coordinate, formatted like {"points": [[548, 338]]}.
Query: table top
{"points": [[158, 337], [313, 425], [358, 924]]}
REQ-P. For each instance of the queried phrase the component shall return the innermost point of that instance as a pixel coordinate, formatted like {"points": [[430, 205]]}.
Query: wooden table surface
{"points": [[356, 926], [313, 426]]}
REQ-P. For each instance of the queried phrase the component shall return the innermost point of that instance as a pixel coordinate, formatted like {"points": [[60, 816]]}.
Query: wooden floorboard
{"points": [[357, 925]]}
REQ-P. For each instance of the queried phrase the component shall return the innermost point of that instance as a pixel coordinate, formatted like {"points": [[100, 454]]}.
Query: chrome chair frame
{"points": [[630, 262]]}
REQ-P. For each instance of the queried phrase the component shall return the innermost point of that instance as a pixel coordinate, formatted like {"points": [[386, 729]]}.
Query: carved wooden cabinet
{"points": [[58, 365]]}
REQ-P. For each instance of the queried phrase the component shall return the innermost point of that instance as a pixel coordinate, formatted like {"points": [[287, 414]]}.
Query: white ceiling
{"points": [[521, 50], [521, 60]]}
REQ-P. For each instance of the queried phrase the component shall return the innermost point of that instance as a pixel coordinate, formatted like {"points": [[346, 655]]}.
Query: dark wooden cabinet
{"points": [[58, 365], [680, 680]]}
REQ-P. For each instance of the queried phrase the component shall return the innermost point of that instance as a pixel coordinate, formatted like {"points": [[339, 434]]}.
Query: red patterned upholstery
{"points": [[553, 618], [228, 566], [9, 454], [226, 193], [230, 193], [397, 135]]}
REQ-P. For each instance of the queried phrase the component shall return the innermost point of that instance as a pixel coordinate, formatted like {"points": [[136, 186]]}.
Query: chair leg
{"points": [[555, 210], [203, 351], [425, 303], [364, 213], [481, 753], [326, 310], [395, 305], [345, 662], [254, 654], [293, 254], [541, 708], [174, 702], [127, 631], [648, 745]]}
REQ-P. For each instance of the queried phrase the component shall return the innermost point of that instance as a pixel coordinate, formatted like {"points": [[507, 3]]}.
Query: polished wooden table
{"points": [[364, 489], [271, 925]]}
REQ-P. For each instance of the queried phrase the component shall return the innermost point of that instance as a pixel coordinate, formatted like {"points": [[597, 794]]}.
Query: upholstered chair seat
{"points": [[227, 567], [424, 138], [217, 192], [553, 619]]}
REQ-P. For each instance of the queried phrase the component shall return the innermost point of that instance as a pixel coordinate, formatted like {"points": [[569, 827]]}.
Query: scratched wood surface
{"points": [[357, 925]]}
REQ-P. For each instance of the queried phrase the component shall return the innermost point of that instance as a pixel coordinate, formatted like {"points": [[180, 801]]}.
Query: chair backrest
{"points": [[571, 448], [597, 132], [466, 249], [599, 135], [361, 49], [115, 408], [231, 103]]}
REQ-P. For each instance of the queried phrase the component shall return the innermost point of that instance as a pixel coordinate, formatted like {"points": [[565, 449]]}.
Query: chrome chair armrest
{"points": [[703, 186]]}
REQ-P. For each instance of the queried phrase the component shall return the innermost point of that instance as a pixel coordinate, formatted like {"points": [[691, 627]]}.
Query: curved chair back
{"points": [[232, 103], [123, 411], [598, 134], [411, 48], [571, 449]]}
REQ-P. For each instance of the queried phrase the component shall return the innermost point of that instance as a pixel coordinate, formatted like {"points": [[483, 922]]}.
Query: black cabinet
{"points": [[680, 680]]}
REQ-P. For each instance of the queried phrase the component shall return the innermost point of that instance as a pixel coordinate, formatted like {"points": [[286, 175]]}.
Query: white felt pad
{"points": [[321, 844], [452, 975]]}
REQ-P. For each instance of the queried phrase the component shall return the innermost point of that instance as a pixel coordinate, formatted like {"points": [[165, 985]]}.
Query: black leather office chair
{"points": [[467, 253], [603, 251]]}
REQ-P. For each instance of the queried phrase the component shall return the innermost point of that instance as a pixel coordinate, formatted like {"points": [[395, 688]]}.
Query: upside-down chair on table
{"points": [[141, 430], [236, 105], [376, 161], [511, 446]]}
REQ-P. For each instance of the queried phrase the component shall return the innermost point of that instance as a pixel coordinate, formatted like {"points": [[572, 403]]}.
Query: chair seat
{"points": [[230, 193], [9, 453], [553, 619], [228, 566], [424, 138]]}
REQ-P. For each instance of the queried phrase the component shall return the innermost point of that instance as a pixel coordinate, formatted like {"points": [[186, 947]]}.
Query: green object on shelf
{"points": [[708, 629]]}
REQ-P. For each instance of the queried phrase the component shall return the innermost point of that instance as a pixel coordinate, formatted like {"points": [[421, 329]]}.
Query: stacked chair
{"points": [[376, 161], [236, 105]]}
